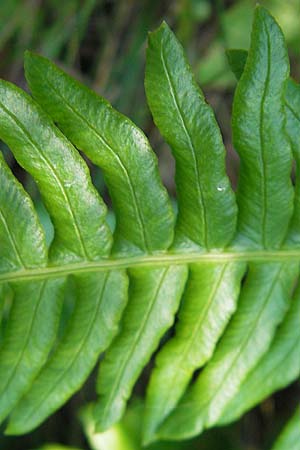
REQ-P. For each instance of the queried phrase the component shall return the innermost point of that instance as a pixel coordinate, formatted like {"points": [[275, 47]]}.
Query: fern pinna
{"points": [[229, 262]]}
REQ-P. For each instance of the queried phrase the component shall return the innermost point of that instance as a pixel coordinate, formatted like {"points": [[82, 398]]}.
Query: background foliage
{"points": [[102, 42]]}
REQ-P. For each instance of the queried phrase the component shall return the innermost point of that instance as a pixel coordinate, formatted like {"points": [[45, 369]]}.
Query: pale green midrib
{"points": [[199, 188], [262, 146], [160, 259]]}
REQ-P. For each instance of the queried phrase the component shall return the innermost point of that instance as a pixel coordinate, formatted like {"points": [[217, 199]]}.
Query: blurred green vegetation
{"points": [[102, 42]]}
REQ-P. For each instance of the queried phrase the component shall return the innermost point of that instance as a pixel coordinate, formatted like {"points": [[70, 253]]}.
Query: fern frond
{"points": [[229, 262]]}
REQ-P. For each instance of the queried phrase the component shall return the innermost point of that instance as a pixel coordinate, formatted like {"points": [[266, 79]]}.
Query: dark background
{"points": [[102, 42]]}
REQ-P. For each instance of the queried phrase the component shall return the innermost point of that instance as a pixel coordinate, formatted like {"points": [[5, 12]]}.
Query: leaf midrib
{"points": [[159, 259], [198, 186], [262, 143]]}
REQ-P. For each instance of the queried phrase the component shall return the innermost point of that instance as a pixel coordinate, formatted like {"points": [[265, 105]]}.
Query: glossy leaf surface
{"points": [[265, 194], [207, 209]]}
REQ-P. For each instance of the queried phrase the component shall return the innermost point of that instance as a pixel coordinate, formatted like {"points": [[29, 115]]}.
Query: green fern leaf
{"points": [[228, 262], [207, 208]]}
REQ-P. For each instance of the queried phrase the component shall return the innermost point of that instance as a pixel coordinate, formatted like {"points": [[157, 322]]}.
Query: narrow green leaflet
{"points": [[206, 203], [144, 221], [239, 316], [76, 209], [143, 211], [258, 120], [154, 296], [278, 367], [289, 438], [237, 60], [101, 300], [292, 108], [24, 348]]}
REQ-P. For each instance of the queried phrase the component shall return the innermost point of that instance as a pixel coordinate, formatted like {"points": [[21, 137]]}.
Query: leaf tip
{"points": [[29, 55], [263, 13], [163, 27]]}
